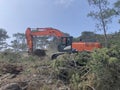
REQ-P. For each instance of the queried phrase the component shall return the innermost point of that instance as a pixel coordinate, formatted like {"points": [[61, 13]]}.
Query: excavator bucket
{"points": [[39, 52]]}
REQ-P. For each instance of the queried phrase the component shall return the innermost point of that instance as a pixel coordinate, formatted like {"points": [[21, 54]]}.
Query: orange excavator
{"points": [[66, 42]]}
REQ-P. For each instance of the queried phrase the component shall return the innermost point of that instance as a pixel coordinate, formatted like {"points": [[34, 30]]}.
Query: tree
{"points": [[20, 42], [115, 39], [117, 8], [3, 37], [103, 14], [88, 36]]}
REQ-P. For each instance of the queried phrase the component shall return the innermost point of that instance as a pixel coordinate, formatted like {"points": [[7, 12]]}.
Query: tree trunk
{"points": [[103, 25]]}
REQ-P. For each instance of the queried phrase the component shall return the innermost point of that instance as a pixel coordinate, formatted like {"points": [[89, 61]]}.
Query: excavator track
{"points": [[55, 55]]}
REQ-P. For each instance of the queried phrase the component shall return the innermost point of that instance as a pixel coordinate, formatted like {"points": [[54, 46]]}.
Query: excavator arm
{"points": [[40, 32]]}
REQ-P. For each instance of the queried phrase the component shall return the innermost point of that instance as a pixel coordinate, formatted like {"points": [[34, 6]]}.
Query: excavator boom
{"points": [[30, 33]]}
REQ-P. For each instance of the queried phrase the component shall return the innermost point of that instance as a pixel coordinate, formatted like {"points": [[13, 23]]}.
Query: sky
{"points": [[69, 16]]}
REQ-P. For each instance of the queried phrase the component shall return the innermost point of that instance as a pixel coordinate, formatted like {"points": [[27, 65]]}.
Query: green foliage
{"points": [[87, 36], [75, 80], [83, 57], [114, 39], [76, 69], [102, 14], [117, 7], [19, 44], [3, 37], [113, 60], [105, 65], [71, 67], [10, 56], [100, 58], [31, 58]]}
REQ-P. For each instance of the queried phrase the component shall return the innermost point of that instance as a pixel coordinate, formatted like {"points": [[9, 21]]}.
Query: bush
{"points": [[98, 70], [105, 65], [10, 56], [71, 68]]}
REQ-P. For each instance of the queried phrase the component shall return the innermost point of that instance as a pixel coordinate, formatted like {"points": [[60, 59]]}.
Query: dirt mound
{"points": [[10, 68]]}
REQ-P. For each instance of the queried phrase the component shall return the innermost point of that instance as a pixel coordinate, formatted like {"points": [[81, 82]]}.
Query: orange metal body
{"points": [[78, 46], [85, 46]]}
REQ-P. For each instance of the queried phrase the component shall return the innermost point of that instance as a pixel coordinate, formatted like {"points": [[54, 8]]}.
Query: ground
{"points": [[29, 72]]}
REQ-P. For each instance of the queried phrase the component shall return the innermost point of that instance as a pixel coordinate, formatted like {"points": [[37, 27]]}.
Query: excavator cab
{"points": [[65, 44]]}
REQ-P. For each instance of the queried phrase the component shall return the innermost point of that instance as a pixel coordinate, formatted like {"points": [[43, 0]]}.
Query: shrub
{"points": [[10, 56], [71, 68], [105, 64]]}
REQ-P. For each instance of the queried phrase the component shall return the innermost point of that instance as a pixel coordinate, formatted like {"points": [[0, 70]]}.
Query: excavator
{"points": [[66, 43]]}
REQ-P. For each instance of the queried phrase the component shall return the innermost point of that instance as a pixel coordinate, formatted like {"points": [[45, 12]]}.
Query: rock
{"points": [[11, 86]]}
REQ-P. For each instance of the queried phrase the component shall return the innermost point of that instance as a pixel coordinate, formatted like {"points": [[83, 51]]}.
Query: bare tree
{"points": [[103, 14]]}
